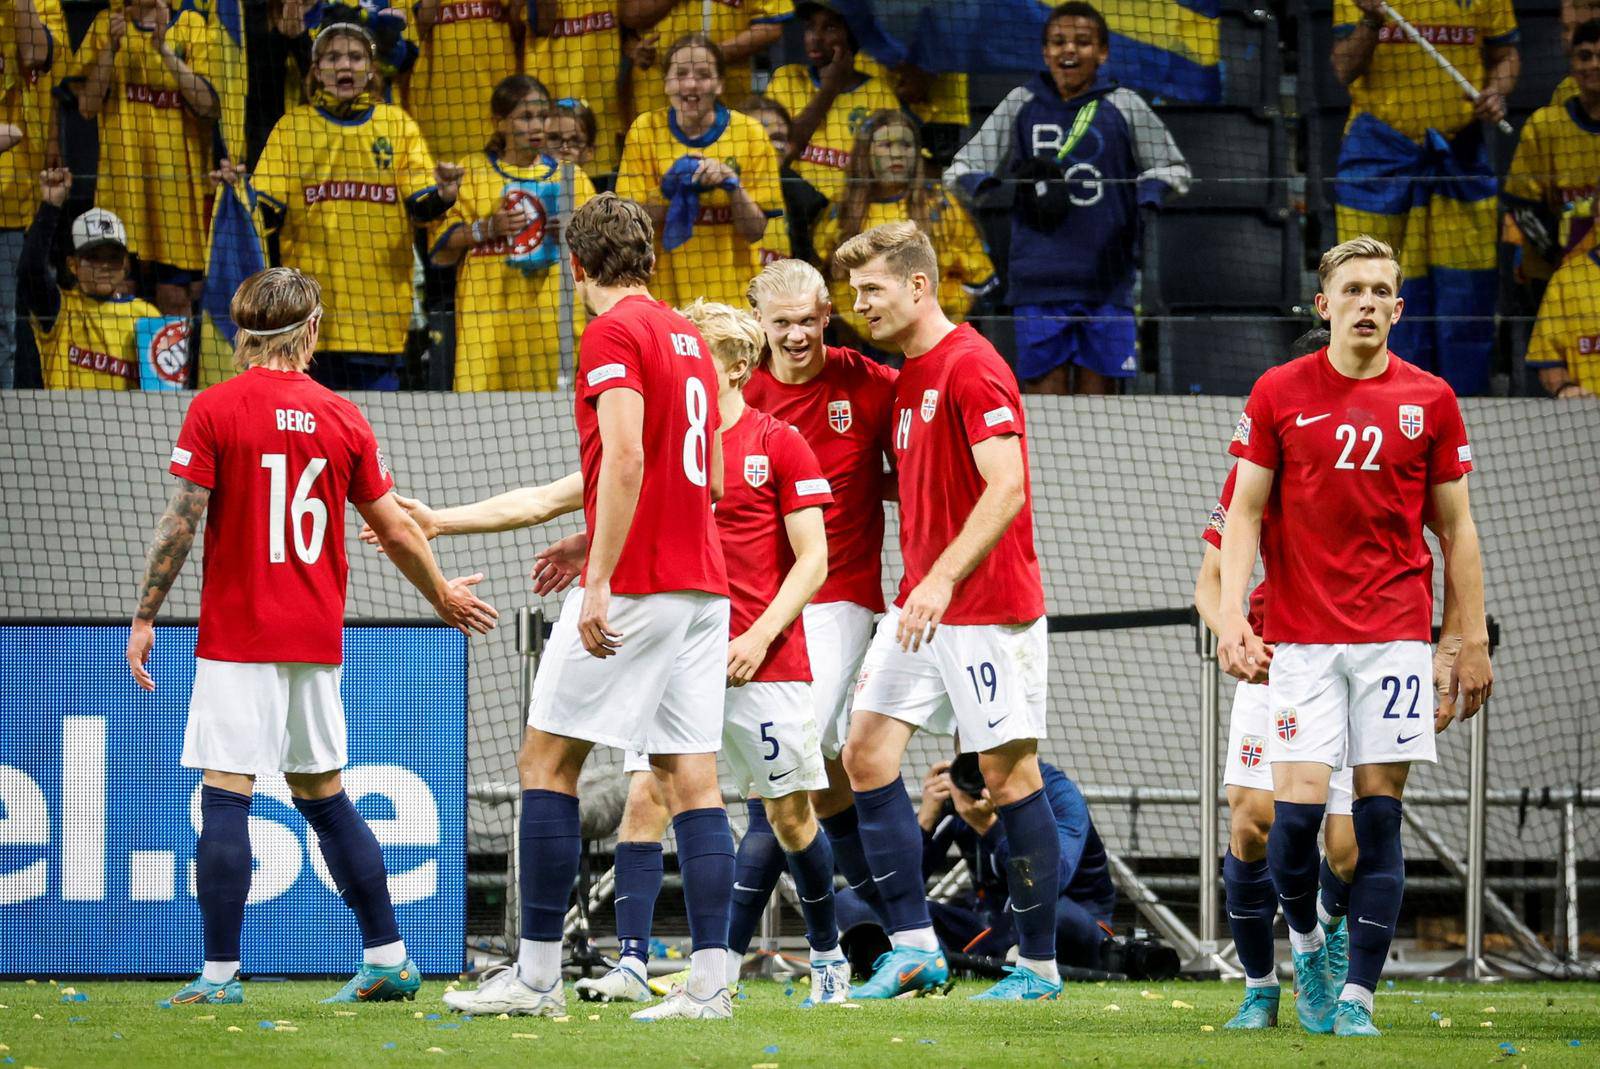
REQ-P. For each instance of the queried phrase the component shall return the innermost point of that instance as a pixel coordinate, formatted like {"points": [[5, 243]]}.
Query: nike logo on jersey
{"points": [[776, 776], [992, 723], [1373, 924], [1401, 740], [1302, 421]]}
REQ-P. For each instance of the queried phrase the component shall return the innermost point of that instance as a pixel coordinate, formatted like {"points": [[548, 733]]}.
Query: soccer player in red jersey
{"points": [[273, 457], [1350, 446], [638, 657], [842, 403], [964, 647]]}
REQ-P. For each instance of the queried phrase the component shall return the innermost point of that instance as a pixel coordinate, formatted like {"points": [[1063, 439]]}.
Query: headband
{"points": [[282, 330]]}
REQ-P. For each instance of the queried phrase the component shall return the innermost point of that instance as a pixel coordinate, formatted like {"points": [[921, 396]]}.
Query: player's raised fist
{"points": [[54, 184], [463, 610]]}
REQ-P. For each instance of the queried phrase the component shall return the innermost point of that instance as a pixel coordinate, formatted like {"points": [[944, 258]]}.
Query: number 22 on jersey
{"points": [[283, 513]]}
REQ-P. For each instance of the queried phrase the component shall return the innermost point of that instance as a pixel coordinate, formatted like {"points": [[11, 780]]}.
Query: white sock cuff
{"points": [[1328, 919], [915, 938], [220, 972], [1262, 981], [1045, 968], [1356, 993], [387, 956], [1306, 942]]}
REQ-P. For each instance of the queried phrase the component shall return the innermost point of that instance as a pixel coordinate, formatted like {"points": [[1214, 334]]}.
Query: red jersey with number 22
{"points": [[949, 399], [1213, 535], [1355, 460], [644, 346], [769, 473], [845, 413], [281, 455]]}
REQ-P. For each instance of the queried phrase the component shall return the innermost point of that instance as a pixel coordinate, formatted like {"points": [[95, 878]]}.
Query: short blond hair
{"points": [[788, 278], [906, 251], [1362, 247], [732, 334], [273, 310]]}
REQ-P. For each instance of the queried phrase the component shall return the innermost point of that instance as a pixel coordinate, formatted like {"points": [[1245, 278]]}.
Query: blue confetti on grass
{"points": [[116, 1035], [389, 1046], [771, 1049], [466, 1016], [929, 1042], [743, 997], [448, 1024], [8, 1060], [1508, 1048], [1434, 1015], [77, 996], [431, 1017], [268, 1025], [1389, 984], [788, 992], [76, 1020], [1575, 1043]]}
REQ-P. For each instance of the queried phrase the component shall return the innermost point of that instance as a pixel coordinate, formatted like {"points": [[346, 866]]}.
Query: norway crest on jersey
{"points": [[756, 469], [839, 416], [1411, 421], [930, 404]]}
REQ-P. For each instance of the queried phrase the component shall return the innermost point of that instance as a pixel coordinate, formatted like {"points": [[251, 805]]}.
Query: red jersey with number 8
{"points": [[1355, 460], [644, 346], [281, 455], [949, 399]]}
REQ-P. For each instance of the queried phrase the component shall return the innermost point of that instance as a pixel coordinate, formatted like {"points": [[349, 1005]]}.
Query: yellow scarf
{"points": [[343, 109]]}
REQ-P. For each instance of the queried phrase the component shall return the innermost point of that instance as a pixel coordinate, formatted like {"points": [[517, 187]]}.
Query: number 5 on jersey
{"points": [[309, 547]]}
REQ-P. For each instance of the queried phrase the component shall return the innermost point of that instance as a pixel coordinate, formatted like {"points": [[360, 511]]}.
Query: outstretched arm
{"points": [[168, 550], [404, 543], [528, 506]]}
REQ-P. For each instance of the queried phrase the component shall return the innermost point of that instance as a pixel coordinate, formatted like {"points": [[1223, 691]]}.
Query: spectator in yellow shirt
{"points": [[87, 334], [514, 307], [570, 132], [708, 177], [33, 43], [889, 184], [1566, 337], [465, 47], [145, 80], [742, 29]]}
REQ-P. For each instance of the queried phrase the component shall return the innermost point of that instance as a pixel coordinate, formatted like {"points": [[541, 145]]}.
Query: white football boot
{"points": [[621, 984], [830, 983], [680, 1005], [501, 990]]}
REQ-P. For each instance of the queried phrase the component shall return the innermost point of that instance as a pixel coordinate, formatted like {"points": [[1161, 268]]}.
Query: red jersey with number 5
{"points": [[770, 472], [1355, 460], [1213, 535], [281, 455], [644, 346], [949, 399], [845, 413]]}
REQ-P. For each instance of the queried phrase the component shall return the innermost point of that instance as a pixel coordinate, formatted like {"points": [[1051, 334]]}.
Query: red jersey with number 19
{"points": [[281, 455], [954, 396], [769, 473], [1355, 460], [845, 414], [1213, 535], [644, 346]]}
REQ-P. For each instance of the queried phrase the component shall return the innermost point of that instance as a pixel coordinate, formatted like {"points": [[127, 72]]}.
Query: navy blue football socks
{"points": [[1252, 904], [705, 854], [844, 837], [222, 870], [1375, 893], [1033, 873], [1292, 857], [756, 868], [893, 844], [812, 869], [638, 883], [551, 845], [355, 860], [1335, 893]]}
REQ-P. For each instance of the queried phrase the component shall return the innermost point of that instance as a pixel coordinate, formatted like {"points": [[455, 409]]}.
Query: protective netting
{"points": [[1165, 237]]}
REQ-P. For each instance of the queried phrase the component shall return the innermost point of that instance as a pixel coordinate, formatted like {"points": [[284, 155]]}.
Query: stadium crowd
{"points": [[417, 157]]}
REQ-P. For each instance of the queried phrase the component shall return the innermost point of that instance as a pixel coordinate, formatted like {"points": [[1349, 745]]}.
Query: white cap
{"points": [[97, 227]]}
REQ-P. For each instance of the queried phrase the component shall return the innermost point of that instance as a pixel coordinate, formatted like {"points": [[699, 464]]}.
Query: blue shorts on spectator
{"points": [[1099, 337]]}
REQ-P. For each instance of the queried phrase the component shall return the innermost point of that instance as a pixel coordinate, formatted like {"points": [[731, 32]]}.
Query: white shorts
{"points": [[837, 636], [254, 718], [1245, 761], [769, 739], [987, 681], [1358, 703], [660, 693]]}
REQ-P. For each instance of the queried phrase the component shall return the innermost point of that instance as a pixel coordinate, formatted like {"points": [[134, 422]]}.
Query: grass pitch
{"points": [[1173, 1024]]}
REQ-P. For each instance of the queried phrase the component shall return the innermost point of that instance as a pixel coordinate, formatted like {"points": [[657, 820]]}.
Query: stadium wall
{"points": [[1122, 488]]}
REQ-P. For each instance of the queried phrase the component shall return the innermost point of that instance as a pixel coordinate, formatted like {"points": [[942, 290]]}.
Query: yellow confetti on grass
{"points": [[344, 1013], [594, 1017], [235, 1028], [1485, 1024], [1150, 995], [286, 1028], [896, 1039], [763, 1065], [1208, 1028], [563, 1019], [1444, 1022], [524, 1035], [1487, 1009], [434, 1050], [207, 1017], [38, 1017], [502, 1017], [1179, 1004], [1112, 1007], [417, 1016]]}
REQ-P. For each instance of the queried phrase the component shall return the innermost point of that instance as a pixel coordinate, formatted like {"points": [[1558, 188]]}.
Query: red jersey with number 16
{"points": [[644, 346], [845, 413], [281, 455], [954, 396], [1355, 460], [769, 473], [1213, 535]]}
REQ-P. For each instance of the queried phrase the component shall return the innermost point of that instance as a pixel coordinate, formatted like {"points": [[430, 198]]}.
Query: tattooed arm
{"points": [[168, 550]]}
